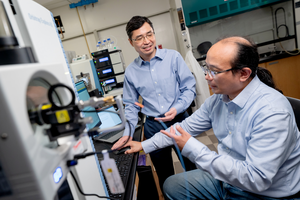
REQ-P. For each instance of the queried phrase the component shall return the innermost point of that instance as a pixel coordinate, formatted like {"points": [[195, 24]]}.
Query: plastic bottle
{"points": [[104, 44], [98, 47], [108, 43], [112, 44]]}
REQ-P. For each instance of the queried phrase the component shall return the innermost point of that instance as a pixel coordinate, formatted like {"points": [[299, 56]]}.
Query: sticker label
{"points": [[62, 116]]}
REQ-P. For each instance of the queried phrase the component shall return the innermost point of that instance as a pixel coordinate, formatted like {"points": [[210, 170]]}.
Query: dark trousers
{"points": [[162, 158]]}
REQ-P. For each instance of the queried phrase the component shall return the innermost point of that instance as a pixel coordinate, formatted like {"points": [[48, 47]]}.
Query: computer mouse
{"points": [[121, 151]]}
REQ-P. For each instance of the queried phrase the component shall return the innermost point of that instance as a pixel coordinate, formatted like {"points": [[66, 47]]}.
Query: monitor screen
{"points": [[110, 81], [109, 119], [84, 96], [106, 71], [103, 59]]}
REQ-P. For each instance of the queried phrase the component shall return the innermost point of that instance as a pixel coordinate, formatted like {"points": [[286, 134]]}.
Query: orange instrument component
{"points": [[138, 104]]}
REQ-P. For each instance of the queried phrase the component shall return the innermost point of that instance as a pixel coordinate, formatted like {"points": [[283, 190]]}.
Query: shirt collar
{"points": [[159, 54], [242, 98]]}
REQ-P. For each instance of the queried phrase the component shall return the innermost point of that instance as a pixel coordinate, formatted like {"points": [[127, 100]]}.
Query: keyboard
{"points": [[123, 162], [109, 135]]}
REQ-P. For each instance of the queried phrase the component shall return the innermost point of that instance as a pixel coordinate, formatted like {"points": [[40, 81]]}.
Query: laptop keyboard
{"points": [[123, 162], [109, 135]]}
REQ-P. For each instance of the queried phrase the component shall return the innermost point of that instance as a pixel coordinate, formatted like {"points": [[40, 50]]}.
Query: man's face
{"points": [[146, 46], [218, 59]]}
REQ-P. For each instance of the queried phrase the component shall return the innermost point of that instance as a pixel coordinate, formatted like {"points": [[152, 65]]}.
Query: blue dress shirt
{"points": [[259, 148], [163, 83]]}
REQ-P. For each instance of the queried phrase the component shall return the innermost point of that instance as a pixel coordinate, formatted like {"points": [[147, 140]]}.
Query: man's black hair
{"points": [[135, 23], [247, 56]]}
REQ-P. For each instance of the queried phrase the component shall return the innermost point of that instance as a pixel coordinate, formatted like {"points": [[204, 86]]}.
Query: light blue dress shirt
{"points": [[259, 148], [163, 83]]}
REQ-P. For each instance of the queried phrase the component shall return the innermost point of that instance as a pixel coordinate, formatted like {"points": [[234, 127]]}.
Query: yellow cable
{"points": [[84, 34], [293, 54]]}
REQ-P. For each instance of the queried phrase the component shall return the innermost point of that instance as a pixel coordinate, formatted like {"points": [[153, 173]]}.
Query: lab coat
{"points": [[202, 89]]}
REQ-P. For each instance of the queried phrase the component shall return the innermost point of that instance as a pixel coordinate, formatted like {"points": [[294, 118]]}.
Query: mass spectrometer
{"points": [[40, 125]]}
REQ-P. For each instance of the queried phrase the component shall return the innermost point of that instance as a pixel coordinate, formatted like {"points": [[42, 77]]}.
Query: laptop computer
{"points": [[108, 120], [101, 119]]}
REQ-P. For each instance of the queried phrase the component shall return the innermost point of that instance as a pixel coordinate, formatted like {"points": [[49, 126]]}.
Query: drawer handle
{"points": [[273, 63]]}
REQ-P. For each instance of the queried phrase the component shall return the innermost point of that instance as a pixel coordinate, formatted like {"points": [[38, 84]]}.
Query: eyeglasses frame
{"points": [[212, 73], [143, 37]]}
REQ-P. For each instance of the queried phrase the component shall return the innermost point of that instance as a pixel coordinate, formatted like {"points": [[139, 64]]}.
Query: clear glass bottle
{"points": [[104, 46], [108, 43], [100, 46]]}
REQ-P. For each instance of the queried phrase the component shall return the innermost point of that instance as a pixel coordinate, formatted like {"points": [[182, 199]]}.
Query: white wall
{"points": [[109, 18]]}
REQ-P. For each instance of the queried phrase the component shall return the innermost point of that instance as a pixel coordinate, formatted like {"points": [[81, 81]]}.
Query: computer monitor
{"points": [[84, 96]]}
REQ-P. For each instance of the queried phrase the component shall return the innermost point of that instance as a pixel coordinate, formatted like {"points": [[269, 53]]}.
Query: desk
{"points": [[129, 188]]}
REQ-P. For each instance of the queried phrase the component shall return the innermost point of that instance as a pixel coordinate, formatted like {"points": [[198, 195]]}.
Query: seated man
{"points": [[259, 147]]}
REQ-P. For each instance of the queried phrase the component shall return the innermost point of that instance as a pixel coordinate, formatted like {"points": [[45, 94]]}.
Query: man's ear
{"points": [[130, 41], [245, 74]]}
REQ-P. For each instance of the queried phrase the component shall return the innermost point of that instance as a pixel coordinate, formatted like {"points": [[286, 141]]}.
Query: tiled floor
{"points": [[208, 138]]}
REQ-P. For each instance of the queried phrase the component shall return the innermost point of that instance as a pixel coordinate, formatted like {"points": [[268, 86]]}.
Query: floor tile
{"points": [[213, 138], [212, 147], [205, 140]]}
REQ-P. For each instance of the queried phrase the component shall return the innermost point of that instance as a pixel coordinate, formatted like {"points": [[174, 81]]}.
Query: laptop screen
{"points": [[84, 96], [109, 119]]}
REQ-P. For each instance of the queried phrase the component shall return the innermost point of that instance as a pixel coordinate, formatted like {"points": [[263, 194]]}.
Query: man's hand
{"points": [[134, 147], [120, 142], [180, 140], [169, 116]]}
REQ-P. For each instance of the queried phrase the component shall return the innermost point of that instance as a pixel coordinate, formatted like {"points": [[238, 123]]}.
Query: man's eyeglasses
{"points": [[140, 38], [212, 73]]}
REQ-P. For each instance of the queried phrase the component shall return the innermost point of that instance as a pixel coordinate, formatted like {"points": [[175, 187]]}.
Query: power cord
{"points": [[84, 194]]}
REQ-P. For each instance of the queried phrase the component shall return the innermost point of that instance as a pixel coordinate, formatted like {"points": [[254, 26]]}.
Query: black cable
{"points": [[84, 194], [282, 25]]}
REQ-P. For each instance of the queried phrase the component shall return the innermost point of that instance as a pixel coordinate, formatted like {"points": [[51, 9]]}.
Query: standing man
{"points": [[259, 145], [167, 86]]}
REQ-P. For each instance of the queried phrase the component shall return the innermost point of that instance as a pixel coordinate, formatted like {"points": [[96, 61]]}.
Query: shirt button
{"points": [[231, 112], [227, 148], [152, 70], [229, 132], [162, 107], [155, 82], [158, 94]]}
